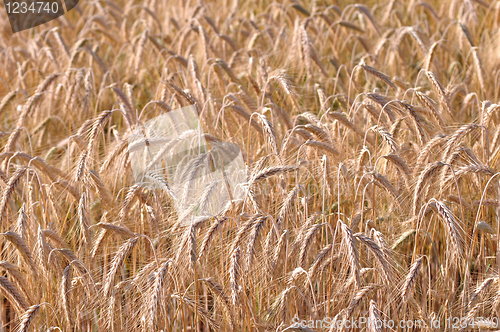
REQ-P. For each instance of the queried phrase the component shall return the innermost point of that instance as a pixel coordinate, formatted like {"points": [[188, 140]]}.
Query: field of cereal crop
{"points": [[370, 146]]}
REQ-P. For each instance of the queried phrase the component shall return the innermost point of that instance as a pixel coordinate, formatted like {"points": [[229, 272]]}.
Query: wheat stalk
{"points": [[453, 226], [379, 254], [277, 251], [425, 176], [65, 286], [438, 87], [352, 253], [257, 227], [411, 278], [481, 289], [117, 263], [28, 317], [217, 289], [306, 242], [23, 249], [12, 294], [234, 273], [378, 74], [358, 297], [9, 190], [156, 293], [375, 321]]}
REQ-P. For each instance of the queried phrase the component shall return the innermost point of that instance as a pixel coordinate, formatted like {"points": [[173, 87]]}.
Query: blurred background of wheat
{"points": [[371, 133]]}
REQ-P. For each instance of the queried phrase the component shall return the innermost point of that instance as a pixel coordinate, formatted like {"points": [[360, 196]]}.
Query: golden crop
{"points": [[371, 134]]}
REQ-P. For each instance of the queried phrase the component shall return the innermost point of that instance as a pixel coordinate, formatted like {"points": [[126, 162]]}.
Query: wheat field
{"points": [[371, 138]]}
